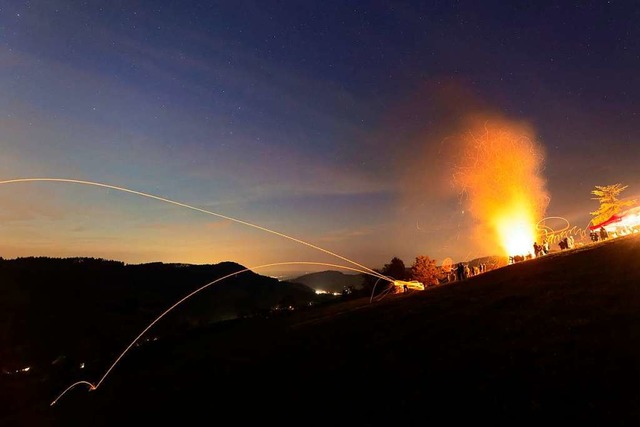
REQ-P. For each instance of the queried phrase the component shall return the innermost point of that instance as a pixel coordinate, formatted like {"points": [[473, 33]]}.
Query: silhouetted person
{"points": [[537, 249], [603, 233], [460, 271]]}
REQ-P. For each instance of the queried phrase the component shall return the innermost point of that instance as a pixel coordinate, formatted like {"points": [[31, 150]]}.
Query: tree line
{"points": [[423, 269]]}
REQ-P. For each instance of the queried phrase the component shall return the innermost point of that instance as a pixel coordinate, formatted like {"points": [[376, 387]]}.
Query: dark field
{"points": [[551, 340]]}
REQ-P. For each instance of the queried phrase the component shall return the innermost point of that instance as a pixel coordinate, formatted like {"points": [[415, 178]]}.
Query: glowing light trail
{"points": [[554, 236], [184, 205], [113, 365], [361, 268], [91, 388]]}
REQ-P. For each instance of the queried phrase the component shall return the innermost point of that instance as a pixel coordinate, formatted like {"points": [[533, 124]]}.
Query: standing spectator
{"points": [[460, 271], [603, 233]]}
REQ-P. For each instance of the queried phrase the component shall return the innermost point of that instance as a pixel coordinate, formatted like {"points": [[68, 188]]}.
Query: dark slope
{"points": [[56, 314], [48, 304], [551, 340]]}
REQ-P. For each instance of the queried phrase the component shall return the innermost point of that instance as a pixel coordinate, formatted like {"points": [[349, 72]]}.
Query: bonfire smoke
{"points": [[498, 175]]}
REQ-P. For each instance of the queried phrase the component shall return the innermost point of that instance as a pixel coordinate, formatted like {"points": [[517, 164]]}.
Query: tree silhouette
{"points": [[609, 204], [395, 269], [424, 270]]}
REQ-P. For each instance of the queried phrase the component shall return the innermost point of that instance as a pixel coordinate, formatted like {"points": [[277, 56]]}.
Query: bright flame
{"points": [[499, 171], [517, 234]]}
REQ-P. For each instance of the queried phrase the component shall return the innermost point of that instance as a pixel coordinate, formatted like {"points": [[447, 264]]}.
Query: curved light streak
{"points": [[91, 388], [382, 294], [184, 205], [554, 235], [164, 313]]}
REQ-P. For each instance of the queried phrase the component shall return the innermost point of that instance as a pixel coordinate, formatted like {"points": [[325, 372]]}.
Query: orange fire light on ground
{"points": [[499, 174], [402, 286]]}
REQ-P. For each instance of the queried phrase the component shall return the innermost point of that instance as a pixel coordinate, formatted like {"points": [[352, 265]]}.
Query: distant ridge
{"points": [[329, 281], [550, 338], [83, 307]]}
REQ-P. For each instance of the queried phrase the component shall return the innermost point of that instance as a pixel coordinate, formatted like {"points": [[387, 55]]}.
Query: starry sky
{"points": [[324, 120]]}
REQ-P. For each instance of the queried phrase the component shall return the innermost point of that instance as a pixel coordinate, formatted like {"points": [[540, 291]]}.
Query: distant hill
{"points": [[547, 339], [330, 281], [81, 307]]}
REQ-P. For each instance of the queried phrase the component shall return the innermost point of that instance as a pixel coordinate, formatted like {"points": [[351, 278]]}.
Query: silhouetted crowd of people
{"points": [[462, 271], [602, 235], [542, 249], [567, 243]]}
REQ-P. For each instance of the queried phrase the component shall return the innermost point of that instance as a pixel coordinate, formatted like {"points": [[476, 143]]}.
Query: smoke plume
{"points": [[498, 174]]}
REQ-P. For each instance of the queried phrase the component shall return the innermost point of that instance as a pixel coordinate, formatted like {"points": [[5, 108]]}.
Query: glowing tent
{"points": [[621, 223]]}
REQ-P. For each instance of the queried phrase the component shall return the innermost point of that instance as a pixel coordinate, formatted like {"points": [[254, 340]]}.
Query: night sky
{"points": [[324, 120]]}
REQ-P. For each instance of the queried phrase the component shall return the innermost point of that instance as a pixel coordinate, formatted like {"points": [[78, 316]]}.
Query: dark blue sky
{"points": [[312, 118]]}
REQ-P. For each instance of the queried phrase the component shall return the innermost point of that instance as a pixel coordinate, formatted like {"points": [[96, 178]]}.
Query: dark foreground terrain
{"points": [[546, 341]]}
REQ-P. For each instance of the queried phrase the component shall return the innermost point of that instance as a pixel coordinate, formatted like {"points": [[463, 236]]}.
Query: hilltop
{"points": [[78, 308], [554, 339]]}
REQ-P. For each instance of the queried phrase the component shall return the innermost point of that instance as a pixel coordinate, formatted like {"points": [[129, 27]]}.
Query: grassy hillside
{"points": [[549, 340]]}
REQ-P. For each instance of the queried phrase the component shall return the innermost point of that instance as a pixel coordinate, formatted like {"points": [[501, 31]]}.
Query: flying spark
{"points": [[361, 268], [499, 172], [188, 296], [184, 205]]}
